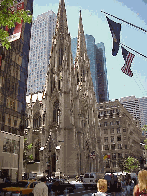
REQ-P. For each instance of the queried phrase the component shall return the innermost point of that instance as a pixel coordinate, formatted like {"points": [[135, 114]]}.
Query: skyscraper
{"points": [[101, 73], [13, 79], [143, 110], [13, 85], [96, 54], [40, 45], [131, 103]]}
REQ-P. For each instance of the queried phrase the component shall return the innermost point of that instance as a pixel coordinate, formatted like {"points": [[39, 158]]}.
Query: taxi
{"points": [[24, 187]]}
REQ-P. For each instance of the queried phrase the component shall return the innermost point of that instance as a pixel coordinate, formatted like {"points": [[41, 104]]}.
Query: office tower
{"points": [[143, 110], [101, 73], [13, 75], [40, 45], [13, 85], [96, 54], [131, 103]]}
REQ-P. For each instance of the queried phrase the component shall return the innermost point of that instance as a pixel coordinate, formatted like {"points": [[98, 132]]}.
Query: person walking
{"points": [[41, 188], [113, 185], [141, 187], [102, 188]]}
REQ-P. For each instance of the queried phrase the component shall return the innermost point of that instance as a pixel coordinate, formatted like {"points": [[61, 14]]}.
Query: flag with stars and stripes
{"points": [[92, 154], [128, 57], [115, 29]]}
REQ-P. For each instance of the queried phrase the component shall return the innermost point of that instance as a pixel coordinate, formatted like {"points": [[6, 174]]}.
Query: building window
{"points": [[119, 138], [105, 124], [119, 155], [112, 138], [119, 146], [7, 145], [125, 146], [118, 130], [105, 131], [113, 156], [124, 130], [117, 122], [9, 120], [112, 131], [112, 146], [105, 139], [15, 123], [106, 147], [114, 164]]}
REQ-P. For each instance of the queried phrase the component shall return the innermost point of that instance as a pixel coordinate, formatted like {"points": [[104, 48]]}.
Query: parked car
{"points": [[90, 180], [23, 187], [60, 186]]}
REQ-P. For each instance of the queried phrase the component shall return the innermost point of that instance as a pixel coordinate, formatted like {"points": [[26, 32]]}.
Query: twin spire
{"points": [[62, 29]]}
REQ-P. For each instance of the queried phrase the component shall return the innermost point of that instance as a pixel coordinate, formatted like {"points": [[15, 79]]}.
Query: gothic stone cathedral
{"points": [[69, 127]]}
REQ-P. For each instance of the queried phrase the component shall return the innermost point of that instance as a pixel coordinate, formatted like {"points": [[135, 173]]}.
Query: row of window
{"points": [[112, 138], [11, 146], [109, 111], [111, 123], [114, 147], [112, 131], [37, 89]]}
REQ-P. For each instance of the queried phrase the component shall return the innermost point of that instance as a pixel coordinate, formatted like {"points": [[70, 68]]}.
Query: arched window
{"points": [[55, 111], [37, 147]]}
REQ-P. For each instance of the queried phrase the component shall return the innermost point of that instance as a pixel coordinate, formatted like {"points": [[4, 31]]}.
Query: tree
{"points": [[9, 17], [131, 164], [27, 156], [144, 128]]}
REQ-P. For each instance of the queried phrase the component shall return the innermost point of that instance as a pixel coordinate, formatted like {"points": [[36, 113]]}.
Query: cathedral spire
{"points": [[81, 45], [61, 25]]}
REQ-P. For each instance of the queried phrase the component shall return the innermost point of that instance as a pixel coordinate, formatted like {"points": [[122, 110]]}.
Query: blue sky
{"points": [[95, 23]]}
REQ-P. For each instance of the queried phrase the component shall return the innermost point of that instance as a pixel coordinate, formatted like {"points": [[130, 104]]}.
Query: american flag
{"points": [[128, 57], [92, 154]]}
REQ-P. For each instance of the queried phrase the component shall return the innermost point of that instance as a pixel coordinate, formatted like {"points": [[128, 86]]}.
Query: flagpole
{"points": [[126, 22], [133, 50]]}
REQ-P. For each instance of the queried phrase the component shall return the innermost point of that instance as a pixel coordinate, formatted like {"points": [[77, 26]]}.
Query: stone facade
{"points": [[71, 129], [120, 134]]}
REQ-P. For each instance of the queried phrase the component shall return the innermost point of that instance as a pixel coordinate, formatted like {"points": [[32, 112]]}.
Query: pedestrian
{"points": [[102, 188], [41, 188], [55, 186], [128, 187], [141, 187], [113, 185]]}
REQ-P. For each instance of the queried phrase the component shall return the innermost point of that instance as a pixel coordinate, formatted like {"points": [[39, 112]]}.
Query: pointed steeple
{"points": [[81, 45], [61, 25]]}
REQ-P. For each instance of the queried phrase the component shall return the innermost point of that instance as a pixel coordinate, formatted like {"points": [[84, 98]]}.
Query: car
{"points": [[90, 180], [61, 186], [24, 187]]}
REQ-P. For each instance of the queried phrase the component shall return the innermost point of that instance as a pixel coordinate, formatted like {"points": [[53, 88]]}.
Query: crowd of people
{"points": [[123, 185]]}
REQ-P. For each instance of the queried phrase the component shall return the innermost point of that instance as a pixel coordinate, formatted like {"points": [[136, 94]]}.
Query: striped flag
{"points": [[128, 57], [92, 154]]}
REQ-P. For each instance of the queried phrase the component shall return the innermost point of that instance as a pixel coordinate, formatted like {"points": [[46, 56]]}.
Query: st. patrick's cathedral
{"points": [[63, 126]]}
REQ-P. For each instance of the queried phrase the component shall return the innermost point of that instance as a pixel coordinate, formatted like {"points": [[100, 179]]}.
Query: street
{"points": [[80, 191]]}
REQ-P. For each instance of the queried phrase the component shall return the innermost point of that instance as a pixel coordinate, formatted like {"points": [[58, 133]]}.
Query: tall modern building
{"points": [[131, 103], [13, 85], [101, 73], [40, 45], [96, 54], [143, 110]]}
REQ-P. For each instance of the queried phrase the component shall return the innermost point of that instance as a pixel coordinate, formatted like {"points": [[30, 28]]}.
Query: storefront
{"points": [[11, 156]]}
